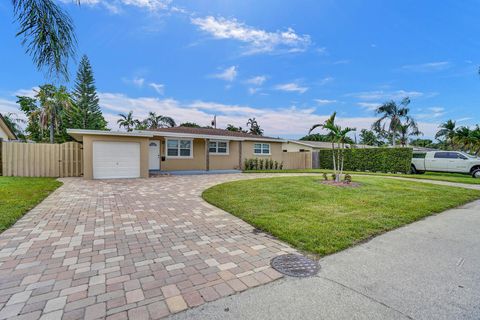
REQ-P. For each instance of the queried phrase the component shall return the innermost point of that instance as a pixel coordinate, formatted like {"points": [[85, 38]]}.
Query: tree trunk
{"points": [[52, 127], [394, 142], [334, 163], [339, 150]]}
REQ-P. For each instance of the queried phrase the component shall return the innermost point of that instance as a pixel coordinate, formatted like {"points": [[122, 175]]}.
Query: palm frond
{"points": [[47, 34]]}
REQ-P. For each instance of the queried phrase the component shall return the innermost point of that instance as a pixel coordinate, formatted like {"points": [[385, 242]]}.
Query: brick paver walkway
{"points": [[139, 249]]}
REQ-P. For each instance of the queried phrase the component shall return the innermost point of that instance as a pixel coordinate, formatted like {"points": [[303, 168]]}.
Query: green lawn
{"points": [[18, 195], [440, 176], [323, 219]]}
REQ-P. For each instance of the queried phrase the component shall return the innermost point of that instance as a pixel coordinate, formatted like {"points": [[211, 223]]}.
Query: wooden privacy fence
{"points": [[297, 160], [315, 160], [42, 159]]}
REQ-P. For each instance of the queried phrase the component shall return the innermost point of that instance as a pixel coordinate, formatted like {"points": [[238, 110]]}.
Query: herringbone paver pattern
{"points": [[136, 249]]}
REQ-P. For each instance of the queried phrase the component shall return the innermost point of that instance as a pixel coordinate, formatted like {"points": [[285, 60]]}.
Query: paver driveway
{"points": [[140, 248]]}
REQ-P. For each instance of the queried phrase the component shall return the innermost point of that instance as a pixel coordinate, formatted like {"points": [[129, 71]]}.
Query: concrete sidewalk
{"points": [[426, 270]]}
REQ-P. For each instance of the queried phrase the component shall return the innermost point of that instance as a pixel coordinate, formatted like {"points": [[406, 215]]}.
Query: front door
{"points": [[154, 155]]}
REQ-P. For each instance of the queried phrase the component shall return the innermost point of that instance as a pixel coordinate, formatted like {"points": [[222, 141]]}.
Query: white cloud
{"points": [[275, 121], [387, 95], [136, 81], [258, 40], [291, 87], [427, 67], [370, 106], [115, 6], [257, 81], [325, 101], [433, 112], [324, 81], [229, 74], [158, 87], [27, 92]]}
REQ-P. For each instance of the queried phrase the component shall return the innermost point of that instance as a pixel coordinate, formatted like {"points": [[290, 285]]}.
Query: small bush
{"points": [[262, 164]]}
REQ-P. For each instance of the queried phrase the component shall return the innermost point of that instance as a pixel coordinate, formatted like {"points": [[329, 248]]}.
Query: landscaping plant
{"points": [[339, 137]]}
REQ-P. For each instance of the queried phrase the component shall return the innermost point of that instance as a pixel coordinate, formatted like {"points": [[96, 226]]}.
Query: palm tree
{"points": [[47, 33], [342, 140], [407, 129], [126, 121], [53, 102], [447, 132], [476, 140], [13, 122], [155, 121], [391, 117], [462, 138], [254, 127], [339, 136]]}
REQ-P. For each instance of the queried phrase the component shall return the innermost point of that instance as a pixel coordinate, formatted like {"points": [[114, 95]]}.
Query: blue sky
{"points": [[288, 63]]}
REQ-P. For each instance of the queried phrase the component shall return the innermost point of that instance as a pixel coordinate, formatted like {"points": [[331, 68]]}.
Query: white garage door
{"points": [[116, 160]]}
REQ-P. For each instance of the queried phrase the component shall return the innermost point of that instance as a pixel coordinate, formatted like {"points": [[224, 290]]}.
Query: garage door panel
{"points": [[116, 160]]}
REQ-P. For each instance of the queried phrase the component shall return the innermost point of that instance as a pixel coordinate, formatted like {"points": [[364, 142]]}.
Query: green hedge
{"points": [[373, 159]]}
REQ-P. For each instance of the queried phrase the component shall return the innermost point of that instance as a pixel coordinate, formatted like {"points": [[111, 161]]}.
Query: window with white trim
{"points": [[179, 148], [218, 147], [261, 148]]}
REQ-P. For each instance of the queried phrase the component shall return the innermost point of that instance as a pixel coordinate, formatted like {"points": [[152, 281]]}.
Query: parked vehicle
{"points": [[445, 161]]}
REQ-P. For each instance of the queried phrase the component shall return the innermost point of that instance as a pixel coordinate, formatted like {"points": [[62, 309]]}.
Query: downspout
{"points": [[240, 156], [207, 154]]}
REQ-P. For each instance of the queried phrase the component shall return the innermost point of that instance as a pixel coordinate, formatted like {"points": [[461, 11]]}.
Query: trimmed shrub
{"points": [[373, 159], [262, 164]]}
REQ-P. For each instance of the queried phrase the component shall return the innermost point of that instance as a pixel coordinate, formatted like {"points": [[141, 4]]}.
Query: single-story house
{"points": [[310, 146], [6, 133], [114, 154]]}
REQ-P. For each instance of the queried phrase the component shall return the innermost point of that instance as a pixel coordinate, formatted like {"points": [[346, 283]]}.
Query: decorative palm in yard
{"points": [[339, 137]]}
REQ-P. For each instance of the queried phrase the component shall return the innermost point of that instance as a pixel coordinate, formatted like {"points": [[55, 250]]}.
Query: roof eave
{"points": [[208, 136]]}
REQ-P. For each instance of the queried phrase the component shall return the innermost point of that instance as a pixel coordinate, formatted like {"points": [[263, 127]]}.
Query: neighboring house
{"points": [[6, 133], [309, 146], [110, 154]]}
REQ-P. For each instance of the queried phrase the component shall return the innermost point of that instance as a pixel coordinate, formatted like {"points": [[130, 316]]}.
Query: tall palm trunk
{"points": [[334, 163], [52, 126]]}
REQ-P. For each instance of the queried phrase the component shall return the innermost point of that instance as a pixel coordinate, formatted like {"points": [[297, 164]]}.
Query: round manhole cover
{"points": [[295, 265]]}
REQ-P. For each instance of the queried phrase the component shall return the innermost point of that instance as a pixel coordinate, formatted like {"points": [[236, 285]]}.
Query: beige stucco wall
{"points": [[198, 162], [275, 151], [295, 147], [88, 155], [227, 162]]}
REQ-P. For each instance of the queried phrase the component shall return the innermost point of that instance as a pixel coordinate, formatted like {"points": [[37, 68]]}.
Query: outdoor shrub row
{"points": [[262, 164], [375, 159]]}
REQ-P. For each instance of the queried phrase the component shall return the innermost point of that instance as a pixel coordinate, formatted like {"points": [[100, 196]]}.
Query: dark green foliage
{"points": [[262, 164], [374, 159], [47, 33], [324, 138], [254, 127], [231, 127], [370, 138], [190, 125], [85, 112], [348, 178]]}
